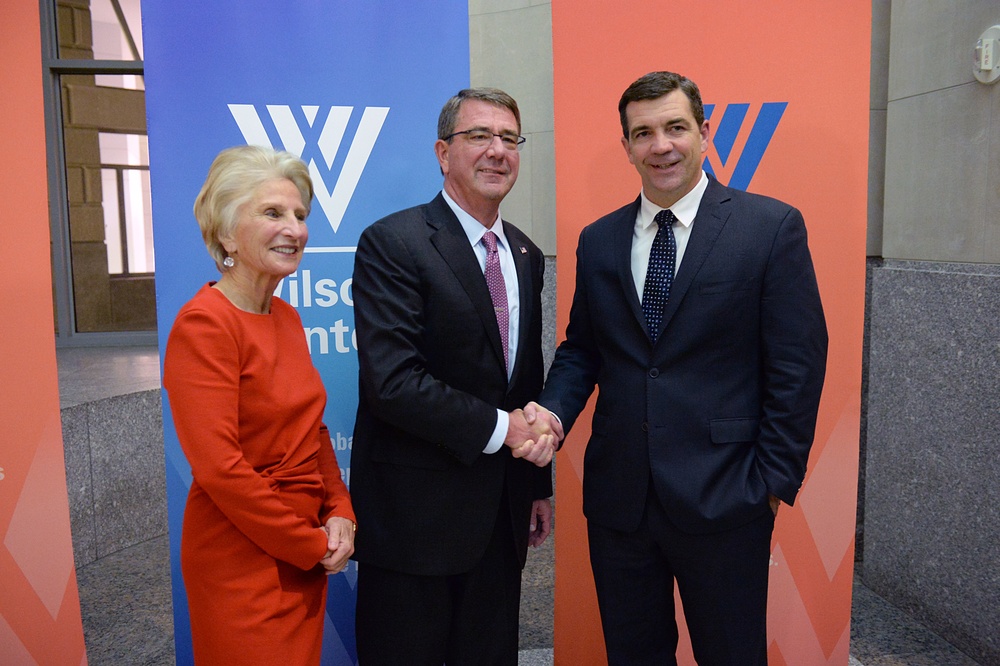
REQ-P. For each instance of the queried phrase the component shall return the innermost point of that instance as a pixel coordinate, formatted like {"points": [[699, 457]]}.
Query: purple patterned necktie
{"points": [[498, 290], [659, 273]]}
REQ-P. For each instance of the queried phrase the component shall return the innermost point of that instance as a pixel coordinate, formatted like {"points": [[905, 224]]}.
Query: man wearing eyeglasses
{"points": [[450, 483]]}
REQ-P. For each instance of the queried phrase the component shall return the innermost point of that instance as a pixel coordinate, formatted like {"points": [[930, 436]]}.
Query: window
{"points": [[128, 228], [103, 263]]}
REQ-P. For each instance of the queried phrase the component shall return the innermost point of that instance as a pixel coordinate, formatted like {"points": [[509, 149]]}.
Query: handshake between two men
{"points": [[534, 434]]}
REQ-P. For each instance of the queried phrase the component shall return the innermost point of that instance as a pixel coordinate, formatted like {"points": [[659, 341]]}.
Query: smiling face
{"points": [[477, 178], [270, 233], [665, 144]]}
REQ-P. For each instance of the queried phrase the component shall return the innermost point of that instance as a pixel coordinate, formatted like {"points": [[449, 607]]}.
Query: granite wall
{"points": [[114, 473], [931, 423], [932, 521]]}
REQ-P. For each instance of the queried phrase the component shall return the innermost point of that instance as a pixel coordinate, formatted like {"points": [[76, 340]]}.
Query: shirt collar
{"points": [[684, 209], [472, 227]]}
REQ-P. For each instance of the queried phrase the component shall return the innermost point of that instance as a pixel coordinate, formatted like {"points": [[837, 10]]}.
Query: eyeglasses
{"points": [[481, 138]]}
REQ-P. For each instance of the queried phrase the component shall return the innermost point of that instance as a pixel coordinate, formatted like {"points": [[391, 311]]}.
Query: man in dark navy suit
{"points": [[697, 315], [449, 483]]}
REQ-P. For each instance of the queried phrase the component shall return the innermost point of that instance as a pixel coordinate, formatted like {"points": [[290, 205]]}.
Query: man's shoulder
{"points": [[411, 215], [614, 218], [517, 237], [409, 222], [760, 203]]}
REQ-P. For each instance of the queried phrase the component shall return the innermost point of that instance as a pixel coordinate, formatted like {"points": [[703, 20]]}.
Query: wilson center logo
{"points": [[727, 133], [326, 138]]}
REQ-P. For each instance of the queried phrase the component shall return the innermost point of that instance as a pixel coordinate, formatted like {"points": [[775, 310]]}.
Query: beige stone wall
{"points": [[510, 44], [942, 140]]}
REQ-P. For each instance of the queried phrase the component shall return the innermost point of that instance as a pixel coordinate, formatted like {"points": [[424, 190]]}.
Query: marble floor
{"points": [[126, 604], [127, 616], [87, 374]]}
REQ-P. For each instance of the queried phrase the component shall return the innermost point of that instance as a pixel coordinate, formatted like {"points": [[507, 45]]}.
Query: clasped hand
{"points": [[533, 434], [339, 544]]}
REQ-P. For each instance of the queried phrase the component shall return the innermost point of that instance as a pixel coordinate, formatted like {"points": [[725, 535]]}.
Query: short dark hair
{"points": [[494, 96], [655, 85]]}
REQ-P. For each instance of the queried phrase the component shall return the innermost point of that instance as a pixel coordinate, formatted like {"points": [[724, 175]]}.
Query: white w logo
{"points": [[334, 204]]}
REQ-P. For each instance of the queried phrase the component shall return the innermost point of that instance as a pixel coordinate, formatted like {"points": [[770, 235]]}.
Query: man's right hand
{"points": [[534, 442]]}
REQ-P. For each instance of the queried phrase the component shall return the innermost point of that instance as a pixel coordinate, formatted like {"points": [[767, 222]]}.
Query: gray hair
{"points": [[449, 113], [234, 176]]}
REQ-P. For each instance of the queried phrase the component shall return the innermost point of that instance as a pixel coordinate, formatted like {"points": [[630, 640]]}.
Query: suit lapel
{"points": [[453, 246], [525, 289], [621, 248], [708, 223]]}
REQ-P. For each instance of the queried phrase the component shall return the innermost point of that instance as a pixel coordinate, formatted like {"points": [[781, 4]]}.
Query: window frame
{"points": [[53, 69]]}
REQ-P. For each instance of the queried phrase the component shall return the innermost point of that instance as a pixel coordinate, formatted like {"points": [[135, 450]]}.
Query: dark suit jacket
{"points": [[431, 379], [721, 411]]}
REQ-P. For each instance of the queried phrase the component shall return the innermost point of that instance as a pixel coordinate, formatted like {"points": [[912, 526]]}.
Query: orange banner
{"points": [[39, 606], [786, 89]]}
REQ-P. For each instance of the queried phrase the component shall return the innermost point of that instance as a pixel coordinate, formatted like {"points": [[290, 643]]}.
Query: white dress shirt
{"points": [[685, 209], [475, 231]]}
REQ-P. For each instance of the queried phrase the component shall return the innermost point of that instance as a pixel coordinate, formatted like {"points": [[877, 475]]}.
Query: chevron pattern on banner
{"points": [[40, 605]]}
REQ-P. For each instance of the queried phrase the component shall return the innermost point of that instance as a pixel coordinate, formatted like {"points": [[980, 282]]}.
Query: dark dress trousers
{"points": [[721, 410], [432, 376]]}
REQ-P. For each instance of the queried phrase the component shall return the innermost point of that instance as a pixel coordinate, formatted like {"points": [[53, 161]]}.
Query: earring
{"points": [[228, 262]]}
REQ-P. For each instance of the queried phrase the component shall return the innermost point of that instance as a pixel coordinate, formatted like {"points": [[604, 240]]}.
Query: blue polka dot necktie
{"points": [[498, 290], [659, 273]]}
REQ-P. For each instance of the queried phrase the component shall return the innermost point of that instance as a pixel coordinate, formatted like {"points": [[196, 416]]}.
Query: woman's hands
{"points": [[339, 544]]}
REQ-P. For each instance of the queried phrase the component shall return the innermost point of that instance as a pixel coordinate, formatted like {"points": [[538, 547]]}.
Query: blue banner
{"points": [[355, 89]]}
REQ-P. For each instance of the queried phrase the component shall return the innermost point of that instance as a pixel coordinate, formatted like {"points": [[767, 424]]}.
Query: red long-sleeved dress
{"points": [[247, 405]]}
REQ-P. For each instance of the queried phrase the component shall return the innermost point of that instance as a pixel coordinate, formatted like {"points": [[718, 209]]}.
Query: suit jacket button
{"points": [[654, 373], [645, 427]]}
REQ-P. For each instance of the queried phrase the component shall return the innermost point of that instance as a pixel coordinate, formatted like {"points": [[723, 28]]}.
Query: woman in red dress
{"points": [[267, 515]]}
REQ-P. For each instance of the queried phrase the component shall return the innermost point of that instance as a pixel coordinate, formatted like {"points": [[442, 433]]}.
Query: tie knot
{"points": [[665, 216], [490, 241]]}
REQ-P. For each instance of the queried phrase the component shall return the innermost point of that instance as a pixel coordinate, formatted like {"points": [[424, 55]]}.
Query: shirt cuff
{"points": [[499, 433]]}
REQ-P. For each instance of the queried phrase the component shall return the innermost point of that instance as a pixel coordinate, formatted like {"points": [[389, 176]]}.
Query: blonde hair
{"points": [[232, 179]]}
